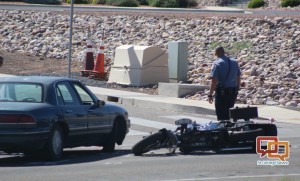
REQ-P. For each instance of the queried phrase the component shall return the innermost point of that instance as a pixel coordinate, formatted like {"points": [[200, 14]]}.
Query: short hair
{"points": [[220, 50], [1, 60]]}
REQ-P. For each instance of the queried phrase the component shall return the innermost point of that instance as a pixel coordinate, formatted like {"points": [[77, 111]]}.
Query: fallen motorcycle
{"points": [[214, 136]]}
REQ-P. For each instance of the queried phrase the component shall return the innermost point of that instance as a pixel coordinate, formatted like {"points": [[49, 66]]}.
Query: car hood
{"points": [[114, 107]]}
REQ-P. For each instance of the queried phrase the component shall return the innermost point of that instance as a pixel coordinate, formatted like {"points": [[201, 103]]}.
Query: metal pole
{"points": [[70, 38]]}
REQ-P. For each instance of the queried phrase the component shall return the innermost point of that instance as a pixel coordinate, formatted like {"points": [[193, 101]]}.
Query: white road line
{"points": [[136, 133], [198, 120], [160, 125], [236, 177], [152, 124], [148, 123]]}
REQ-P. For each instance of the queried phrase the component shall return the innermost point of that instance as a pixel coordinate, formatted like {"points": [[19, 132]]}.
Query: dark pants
{"points": [[224, 100]]}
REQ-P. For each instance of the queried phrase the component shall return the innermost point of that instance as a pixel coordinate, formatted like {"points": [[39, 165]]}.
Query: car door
{"points": [[75, 115], [99, 120]]}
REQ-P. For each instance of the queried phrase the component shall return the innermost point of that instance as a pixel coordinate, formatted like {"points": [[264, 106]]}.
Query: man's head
{"points": [[219, 51]]}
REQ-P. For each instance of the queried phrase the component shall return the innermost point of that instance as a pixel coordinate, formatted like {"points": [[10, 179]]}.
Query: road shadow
{"points": [[152, 154], [69, 157], [195, 153]]}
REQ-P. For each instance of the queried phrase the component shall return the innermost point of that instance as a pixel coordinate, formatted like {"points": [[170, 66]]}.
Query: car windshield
{"points": [[20, 92]]}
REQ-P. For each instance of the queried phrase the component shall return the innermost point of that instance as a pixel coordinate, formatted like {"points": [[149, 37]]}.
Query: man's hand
{"points": [[213, 85], [210, 99]]}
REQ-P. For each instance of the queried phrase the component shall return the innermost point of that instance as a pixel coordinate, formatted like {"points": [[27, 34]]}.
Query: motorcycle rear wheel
{"points": [[185, 150], [269, 129], [244, 136], [147, 144]]}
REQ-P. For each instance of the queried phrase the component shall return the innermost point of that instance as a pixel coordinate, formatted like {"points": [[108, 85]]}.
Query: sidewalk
{"points": [[280, 114], [135, 99]]}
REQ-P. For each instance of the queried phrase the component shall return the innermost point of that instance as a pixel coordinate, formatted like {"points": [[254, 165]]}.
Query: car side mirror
{"points": [[100, 103]]}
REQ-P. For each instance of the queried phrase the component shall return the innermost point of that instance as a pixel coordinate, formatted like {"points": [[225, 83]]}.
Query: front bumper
{"points": [[128, 125]]}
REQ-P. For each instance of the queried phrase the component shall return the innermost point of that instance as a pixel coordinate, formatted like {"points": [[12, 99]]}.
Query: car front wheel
{"points": [[54, 146], [110, 144]]}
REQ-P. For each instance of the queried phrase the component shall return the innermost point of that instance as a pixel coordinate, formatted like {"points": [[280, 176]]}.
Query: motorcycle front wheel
{"points": [[147, 144]]}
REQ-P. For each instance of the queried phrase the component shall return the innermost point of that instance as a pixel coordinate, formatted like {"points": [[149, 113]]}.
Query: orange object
{"points": [[98, 72], [99, 66]]}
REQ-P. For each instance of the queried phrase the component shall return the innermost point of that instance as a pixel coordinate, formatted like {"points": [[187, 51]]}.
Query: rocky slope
{"points": [[266, 48]]}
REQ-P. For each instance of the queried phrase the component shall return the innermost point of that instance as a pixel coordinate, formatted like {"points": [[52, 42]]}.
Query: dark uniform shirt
{"points": [[221, 68]]}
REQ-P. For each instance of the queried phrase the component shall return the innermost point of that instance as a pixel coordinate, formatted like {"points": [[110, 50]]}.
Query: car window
{"points": [[21, 92], [84, 96], [66, 95], [59, 97]]}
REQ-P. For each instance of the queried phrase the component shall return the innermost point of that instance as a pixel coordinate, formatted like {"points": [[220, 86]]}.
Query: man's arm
{"points": [[238, 81], [213, 85]]}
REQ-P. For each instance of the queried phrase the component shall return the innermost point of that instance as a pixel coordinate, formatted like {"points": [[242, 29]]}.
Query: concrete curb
{"points": [[153, 101], [280, 114], [171, 106]]}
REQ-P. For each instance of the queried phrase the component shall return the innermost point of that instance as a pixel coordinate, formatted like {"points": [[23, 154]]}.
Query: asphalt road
{"points": [[111, 9], [217, 11], [275, 13], [90, 164]]}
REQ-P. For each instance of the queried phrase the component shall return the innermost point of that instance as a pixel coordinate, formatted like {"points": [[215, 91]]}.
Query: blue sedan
{"points": [[47, 114]]}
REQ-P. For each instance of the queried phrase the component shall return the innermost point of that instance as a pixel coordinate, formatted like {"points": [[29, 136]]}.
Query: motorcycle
{"points": [[213, 136]]}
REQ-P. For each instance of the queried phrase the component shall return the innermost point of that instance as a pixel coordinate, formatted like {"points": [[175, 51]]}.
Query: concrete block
{"points": [[139, 65], [178, 61], [179, 90]]}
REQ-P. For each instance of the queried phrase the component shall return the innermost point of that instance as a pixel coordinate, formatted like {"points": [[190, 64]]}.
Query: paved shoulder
{"points": [[186, 105]]}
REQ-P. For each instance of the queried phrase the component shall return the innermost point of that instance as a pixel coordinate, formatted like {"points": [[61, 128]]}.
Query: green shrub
{"points": [[233, 49], [236, 47], [97, 1], [187, 3], [43, 1], [256, 3], [13, 0], [291, 3], [173, 3], [143, 2], [127, 3], [79, 1], [164, 3]]}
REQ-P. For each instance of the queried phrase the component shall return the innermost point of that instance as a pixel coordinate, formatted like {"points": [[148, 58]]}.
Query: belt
{"points": [[230, 88]]}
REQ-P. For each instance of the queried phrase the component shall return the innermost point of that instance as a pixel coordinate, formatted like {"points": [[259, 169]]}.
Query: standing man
{"points": [[225, 81]]}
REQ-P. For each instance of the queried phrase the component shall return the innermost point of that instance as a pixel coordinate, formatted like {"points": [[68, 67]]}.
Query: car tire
{"points": [[147, 143], [122, 129], [109, 146], [55, 144]]}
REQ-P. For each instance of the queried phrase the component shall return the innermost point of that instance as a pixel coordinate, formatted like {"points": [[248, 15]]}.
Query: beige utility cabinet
{"points": [[139, 65]]}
